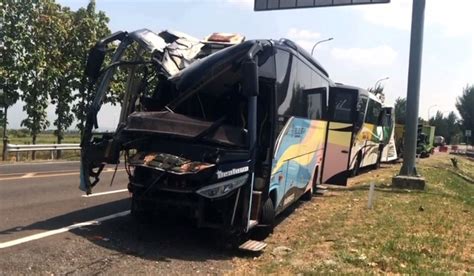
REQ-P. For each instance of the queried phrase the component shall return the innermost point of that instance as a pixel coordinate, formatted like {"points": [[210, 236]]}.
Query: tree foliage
{"points": [[400, 110], [90, 26], [13, 29], [377, 89], [38, 78], [446, 126], [465, 106], [43, 50]]}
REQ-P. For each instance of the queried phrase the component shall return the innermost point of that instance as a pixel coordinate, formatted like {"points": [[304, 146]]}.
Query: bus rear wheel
{"points": [[379, 159], [355, 170], [314, 185]]}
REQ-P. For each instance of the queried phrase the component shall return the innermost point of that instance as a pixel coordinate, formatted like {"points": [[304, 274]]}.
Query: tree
{"points": [[465, 106], [90, 26], [447, 127], [62, 74], [37, 78], [378, 91], [400, 110], [13, 29]]}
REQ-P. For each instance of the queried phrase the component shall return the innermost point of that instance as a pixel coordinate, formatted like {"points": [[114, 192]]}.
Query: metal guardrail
{"points": [[40, 147]]}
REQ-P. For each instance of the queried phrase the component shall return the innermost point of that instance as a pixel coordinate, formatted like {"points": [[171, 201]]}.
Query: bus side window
{"points": [[286, 75], [316, 103], [373, 112], [361, 107], [342, 107], [385, 119]]}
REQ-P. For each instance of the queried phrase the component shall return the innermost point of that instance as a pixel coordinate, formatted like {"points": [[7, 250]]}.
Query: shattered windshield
{"points": [[203, 102]]}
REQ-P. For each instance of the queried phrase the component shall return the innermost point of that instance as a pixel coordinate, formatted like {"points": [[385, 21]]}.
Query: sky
{"points": [[370, 42]]}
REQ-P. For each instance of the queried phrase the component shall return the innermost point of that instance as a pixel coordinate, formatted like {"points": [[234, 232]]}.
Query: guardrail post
{"points": [[5, 148]]}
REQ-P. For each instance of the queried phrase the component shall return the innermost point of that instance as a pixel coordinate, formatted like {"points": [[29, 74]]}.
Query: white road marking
{"points": [[106, 193], [37, 172], [38, 163], [53, 175], [28, 175], [61, 230]]}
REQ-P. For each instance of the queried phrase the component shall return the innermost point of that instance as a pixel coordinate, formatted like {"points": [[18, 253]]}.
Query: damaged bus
{"points": [[232, 138]]}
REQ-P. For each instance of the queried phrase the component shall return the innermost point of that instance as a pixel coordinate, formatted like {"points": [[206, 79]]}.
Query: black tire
{"points": [[308, 195], [355, 170], [267, 221], [379, 159]]}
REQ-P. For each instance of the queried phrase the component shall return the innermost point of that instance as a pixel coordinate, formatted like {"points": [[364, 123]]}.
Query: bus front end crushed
{"points": [[187, 133], [171, 171]]}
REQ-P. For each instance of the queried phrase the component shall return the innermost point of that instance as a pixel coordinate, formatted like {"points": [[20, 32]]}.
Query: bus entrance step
{"points": [[252, 224], [320, 191], [321, 187], [254, 246]]}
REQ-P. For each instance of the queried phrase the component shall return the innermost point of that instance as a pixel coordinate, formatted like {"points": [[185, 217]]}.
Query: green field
{"points": [[44, 138]]}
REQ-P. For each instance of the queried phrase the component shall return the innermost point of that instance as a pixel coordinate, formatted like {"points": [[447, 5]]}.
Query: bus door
{"points": [[342, 115]]}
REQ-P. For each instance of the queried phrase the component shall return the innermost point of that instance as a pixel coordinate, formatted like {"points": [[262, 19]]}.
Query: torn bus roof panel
{"points": [[179, 54], [228, 38]]}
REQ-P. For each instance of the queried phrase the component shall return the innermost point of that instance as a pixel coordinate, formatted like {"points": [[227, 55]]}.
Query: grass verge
{"points": [[419, 232]]}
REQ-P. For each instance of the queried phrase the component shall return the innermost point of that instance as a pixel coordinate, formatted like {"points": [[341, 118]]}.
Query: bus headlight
{"points": [[223, 188]]}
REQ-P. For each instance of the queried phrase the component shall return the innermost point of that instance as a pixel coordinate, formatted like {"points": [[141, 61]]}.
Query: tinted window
{"points": [[373, 112], [286, 75], [317, 81], [361, 107], [267, 69], [295, 78], [343, 104], [282, 59], [315, 106]]}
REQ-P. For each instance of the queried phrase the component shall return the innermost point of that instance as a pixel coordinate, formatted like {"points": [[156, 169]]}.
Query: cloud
{"points": [[453, 18], [448, 18], [396, 15], [304, 38], [242, 3], [378, 56], [301, 34]]}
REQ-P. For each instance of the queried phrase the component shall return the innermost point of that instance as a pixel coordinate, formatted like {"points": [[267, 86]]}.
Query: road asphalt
{"points": [[38, 200]]}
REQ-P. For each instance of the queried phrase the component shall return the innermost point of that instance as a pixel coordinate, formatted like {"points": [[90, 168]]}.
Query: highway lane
{"points": [[48, 200], [32, 167], [27, 202]]}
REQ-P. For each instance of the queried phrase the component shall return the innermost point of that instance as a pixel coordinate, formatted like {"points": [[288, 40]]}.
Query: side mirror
{"points": [[94, 61], [250, 78]]}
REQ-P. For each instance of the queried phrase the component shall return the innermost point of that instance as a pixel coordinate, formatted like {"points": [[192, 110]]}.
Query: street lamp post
{"points": [[319, 42], [382, 79]]}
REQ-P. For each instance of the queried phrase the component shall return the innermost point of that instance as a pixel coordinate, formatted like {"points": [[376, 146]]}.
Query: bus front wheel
{"points": [[267, 221]]}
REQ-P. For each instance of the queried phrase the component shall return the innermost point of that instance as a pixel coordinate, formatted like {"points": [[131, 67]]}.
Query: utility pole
{"points": [[409, 177]]}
